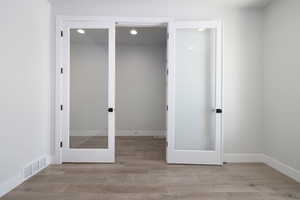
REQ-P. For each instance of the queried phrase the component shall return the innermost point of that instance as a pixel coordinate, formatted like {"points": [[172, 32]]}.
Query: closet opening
{"points": [[113, 91], [141, 92]]}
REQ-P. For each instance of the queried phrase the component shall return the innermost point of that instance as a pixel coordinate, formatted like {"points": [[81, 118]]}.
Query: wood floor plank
{"points": [[141, 173]]}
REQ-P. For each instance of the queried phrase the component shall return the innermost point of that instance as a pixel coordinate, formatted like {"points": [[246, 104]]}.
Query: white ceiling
{"points": [[240, 3], [145, 36], [231, 3]]}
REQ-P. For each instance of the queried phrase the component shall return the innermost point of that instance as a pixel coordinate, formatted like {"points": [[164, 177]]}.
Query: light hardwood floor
{"points": [[142, 174], [91, 142]]}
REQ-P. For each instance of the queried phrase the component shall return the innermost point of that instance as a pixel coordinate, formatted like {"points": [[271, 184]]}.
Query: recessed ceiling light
{"points": [[81, 31], [133, 32], [201, 29]]}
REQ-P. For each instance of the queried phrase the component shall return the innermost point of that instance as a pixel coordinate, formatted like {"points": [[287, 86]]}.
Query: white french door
{"points": [[88, 92], [195, 93]]}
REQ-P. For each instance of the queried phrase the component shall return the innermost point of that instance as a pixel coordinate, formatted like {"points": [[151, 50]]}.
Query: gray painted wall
{"points": [[140, 89], [282, 82], [243, 44], [24, 85]]}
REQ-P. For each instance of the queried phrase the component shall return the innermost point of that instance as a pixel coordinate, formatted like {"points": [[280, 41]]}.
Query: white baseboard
{"points": [[18, 179], [119, 133], [10, 184], [140, 133], [283, 168], [88, 133], [51, 159], [262, 158], [243, 157]]}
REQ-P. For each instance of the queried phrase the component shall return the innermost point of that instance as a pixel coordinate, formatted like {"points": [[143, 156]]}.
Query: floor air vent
{"points": [[42, 163], [27, 171], [34, 167]]}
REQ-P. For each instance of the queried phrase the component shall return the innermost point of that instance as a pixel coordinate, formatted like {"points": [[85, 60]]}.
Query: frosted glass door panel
{"points": [[89, 88], [194, 90]]}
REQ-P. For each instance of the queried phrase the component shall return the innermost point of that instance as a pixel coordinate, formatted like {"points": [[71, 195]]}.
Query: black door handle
{"points": [[110, 110], [218, 110]]}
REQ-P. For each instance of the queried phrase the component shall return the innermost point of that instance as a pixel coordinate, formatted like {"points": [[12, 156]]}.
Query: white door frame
{"points": [[60, 20]]}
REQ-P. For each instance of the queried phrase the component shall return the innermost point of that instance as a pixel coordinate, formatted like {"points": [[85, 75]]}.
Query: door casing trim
{"points": [[135, 21]]}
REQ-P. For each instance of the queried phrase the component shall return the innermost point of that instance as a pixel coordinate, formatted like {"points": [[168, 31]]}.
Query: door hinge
{"points": [[61, 107], [167, 107], [167, 144], [61, 34], [61, 144], [61, 70], [167, 71]]}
